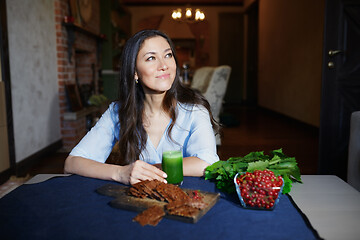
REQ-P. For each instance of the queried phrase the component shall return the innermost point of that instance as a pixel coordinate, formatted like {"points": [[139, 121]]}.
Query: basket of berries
{"points": [[260, 189]]}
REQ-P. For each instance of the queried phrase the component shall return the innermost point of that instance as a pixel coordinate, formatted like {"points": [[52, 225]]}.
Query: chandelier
{"points": [[189, 16]]}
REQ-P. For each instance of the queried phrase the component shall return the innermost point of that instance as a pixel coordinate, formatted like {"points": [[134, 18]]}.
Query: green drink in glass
{"points": [[172, 164]]}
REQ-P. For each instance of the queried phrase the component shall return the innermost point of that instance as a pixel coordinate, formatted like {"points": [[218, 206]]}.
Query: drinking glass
{"points": [[172, 165]]}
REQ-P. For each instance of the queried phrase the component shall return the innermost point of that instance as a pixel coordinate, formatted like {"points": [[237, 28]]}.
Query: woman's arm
{"points": [[201, 144], [129, 174], [194, 166]]}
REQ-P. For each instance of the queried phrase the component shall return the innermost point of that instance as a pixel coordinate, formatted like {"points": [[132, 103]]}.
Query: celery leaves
{"points": [[223, 172]]}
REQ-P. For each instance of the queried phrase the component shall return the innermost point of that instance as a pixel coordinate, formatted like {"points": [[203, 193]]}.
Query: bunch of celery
{"points": [[223, 172]]}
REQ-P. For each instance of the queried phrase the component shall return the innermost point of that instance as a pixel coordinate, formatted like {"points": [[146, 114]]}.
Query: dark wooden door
{"points": [[231, 52], [340, 83], [251, 84]]}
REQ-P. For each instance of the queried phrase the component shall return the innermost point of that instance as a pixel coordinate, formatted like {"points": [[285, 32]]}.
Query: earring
{"points": [[136, 80]]}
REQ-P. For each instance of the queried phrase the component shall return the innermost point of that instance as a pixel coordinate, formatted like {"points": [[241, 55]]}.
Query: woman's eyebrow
{"points": [[152, 52], [149, 53]]}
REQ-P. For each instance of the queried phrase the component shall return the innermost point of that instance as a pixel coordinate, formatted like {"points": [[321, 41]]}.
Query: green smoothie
{"points": [[172, 164]]}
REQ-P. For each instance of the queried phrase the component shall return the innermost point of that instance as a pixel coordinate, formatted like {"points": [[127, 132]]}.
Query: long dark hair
{"points": [[132, 136]]}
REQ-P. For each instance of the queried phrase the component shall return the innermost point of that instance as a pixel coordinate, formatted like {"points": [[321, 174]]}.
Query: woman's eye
{"points": [[150, 58], [169, 55]]}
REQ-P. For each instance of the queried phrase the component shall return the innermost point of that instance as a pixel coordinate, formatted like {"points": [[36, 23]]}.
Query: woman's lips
{"points": [[163, 76]]}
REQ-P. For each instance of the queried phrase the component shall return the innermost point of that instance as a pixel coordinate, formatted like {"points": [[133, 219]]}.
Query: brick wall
{"points": [[84, 66]]}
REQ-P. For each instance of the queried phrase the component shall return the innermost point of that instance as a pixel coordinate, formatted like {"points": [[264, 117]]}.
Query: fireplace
{"points": [[78, 64]]}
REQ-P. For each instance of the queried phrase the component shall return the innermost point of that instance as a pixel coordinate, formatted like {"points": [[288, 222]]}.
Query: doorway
{"points": [[251, 54], [231, 52], [340, 84]]}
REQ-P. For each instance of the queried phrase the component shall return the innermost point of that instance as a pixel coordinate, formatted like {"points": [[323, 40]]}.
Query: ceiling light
{"points": [[189, 16]]}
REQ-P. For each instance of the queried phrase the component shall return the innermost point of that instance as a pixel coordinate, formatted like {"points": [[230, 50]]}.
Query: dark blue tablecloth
{"points": [[69, 208]]}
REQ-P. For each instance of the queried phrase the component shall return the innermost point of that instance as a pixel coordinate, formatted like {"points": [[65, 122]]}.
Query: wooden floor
{"points": [[249, 129], [263, 130]]}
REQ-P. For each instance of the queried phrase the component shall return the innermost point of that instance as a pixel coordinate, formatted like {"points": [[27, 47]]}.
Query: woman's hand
{"points": [[129, 174], [139, 171]]}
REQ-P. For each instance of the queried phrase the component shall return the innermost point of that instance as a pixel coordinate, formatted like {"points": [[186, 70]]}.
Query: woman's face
{"points": [[155, 65]]}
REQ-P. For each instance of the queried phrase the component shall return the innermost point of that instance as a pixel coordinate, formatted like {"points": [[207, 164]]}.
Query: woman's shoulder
{"points": [[192, 116], [191, 109], [112, 111], [114, 107]]}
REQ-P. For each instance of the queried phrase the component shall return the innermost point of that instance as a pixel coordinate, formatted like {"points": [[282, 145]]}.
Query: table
{"points": [[331, 205], [69, 208]]}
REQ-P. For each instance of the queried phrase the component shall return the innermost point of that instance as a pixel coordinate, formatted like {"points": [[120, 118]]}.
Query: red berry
{"points": [[260, 188]]}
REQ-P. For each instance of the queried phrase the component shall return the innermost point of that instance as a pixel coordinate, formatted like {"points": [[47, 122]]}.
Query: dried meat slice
{"points": [[151, 216], [150, 187], [161, 190], [140, 190], [182, 210], [173, 193], [179, 202], [134, 192], [174, 205]]}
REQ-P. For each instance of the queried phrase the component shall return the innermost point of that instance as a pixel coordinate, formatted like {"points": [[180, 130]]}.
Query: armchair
{"points": [[202, 78], [216, 90]]}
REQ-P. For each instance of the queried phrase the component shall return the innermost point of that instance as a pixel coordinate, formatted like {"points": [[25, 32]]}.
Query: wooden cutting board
{"points": [[124, 201]]}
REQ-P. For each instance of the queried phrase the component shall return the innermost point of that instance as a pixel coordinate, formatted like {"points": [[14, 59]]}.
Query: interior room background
{"points": [[290, 35]]}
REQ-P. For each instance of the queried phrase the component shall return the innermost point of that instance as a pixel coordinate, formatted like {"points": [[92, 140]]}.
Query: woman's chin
{"points": [[160, 88]]}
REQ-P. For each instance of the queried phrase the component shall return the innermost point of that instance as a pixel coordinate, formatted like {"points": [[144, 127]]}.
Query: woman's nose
{"points": [[163, 65]]}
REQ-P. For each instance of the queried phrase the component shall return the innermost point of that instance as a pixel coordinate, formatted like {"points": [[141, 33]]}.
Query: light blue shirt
{"points": [[192, 131]]}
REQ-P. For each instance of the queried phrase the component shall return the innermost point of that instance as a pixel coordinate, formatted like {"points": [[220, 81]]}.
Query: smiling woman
{"points": [[156, 66], [154, 112]]}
